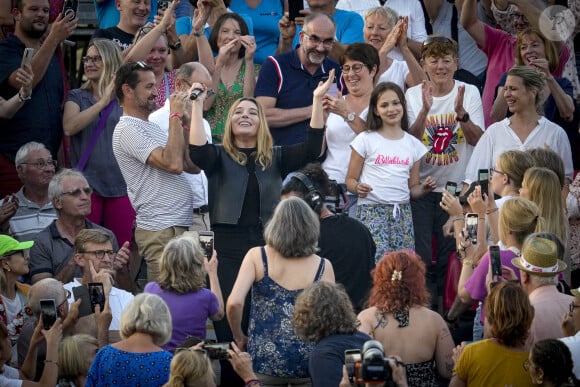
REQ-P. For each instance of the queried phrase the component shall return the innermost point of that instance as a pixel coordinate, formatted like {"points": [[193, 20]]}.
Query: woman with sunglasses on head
{"points": [[90, 116], [233, 71], [384, 30], [14, 295], [550, 364], [535, 50]]}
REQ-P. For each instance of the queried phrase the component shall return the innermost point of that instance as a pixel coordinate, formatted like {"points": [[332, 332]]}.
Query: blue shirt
{"points": [[284, 77], [349, 28], [39, 119], [265, 19], [183, 26], [108, 15]]}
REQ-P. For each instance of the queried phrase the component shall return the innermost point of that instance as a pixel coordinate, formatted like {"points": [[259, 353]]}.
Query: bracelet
{"points": [[468, 262], [253, 382], [491, 210], [198, 33], [21, 98], [176, 114], [47, 361], [458, 218]]}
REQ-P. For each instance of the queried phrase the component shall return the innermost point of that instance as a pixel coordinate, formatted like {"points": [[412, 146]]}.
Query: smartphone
{"points": [[451, 187], [97, 295], [471, 220], [27, 57], [217, 351], [70, 8], [48, 312], [333, 90], [163, 4], [206, 242], [82, 293], [189, 342], [495, 258], [294, 8], [483, 180], [351, 357]]}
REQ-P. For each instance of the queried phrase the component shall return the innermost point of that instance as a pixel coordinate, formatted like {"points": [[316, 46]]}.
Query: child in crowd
{"points": [[384, 171]]}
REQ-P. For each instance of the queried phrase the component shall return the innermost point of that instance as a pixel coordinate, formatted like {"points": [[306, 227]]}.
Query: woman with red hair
{"points": [[399, 319]]}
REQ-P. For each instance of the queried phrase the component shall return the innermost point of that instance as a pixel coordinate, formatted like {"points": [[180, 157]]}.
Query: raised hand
{"points": [[323, 87], [287, 28], [427, 95], [25, 76], [459, 109], [249, 43]]}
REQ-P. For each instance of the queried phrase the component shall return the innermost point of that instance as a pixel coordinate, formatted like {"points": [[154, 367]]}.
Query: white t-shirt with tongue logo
{"points": [[448, 152]]}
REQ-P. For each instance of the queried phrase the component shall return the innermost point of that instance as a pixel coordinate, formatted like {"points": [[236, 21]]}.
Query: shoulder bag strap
{"points": [[96, 133]]}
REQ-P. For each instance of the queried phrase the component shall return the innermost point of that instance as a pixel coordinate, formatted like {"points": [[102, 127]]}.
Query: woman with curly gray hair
{"points": [[324, 314]]}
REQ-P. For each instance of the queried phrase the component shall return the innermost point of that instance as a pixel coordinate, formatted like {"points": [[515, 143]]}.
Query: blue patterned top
{"points": [[272, 343], [114, 367]]}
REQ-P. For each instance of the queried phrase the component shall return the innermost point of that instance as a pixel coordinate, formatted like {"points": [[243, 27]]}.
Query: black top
{"points": [[117, 35]]}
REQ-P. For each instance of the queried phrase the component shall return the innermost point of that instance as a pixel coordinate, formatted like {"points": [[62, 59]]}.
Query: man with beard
{"points": [[286, 81], [152, 161], [40, 118]]}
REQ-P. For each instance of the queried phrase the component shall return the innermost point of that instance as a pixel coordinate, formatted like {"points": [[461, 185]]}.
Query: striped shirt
{"points": [[161, 199], [30, 218]]}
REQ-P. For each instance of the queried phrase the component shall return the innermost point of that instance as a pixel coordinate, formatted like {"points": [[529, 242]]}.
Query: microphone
{"points": [[194, 94]]}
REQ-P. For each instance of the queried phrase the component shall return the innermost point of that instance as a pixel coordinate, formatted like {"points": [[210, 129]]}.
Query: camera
{"points": [[369, 365]]}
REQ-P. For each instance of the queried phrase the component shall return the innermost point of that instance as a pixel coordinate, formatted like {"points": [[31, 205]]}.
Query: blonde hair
{"points": [[521, 217], [514, 164], [264, 150], [111, 60], [544, 190], [190, 368], [181, 267], [71, 356]]}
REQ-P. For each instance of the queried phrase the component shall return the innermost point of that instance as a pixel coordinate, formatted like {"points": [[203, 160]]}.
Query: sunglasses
{"points": [[78, 192], [436, 39]]}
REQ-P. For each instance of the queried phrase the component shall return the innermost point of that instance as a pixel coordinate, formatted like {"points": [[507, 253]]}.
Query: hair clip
{"points": [[397, 275]]}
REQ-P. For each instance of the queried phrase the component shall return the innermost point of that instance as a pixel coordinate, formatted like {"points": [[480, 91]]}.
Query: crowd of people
{"points": [[279, 193]]}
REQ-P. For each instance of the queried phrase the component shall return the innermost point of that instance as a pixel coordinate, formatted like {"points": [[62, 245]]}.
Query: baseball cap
{"points": [[9, 244]]}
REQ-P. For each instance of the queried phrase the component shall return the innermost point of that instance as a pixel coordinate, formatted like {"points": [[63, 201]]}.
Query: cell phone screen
{"points": [[97, 295], [471, 226], [495, 258], [206, 242], [48, 312], [451, 187], [218, 351], [483, 179]]}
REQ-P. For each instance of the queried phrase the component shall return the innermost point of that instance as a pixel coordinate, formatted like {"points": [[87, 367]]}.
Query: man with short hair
{"points": [[52, 253], [133, 16], [152, 162], [94, 254], [33, 211], [539, 265], [286, 82], [187, 75], [345, 241], [40, 118]]}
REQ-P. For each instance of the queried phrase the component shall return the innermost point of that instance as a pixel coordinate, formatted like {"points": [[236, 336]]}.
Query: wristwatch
{"points": [[198, 33], [175, 46], [465, 117], [350, 117]]}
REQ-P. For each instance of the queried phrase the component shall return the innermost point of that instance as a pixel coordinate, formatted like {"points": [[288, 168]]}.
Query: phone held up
{"points": [[483, 180], [294, 8], [97, 295], [206, 242], [495, 259], [471, 220], [451, 187], [48, 312]]}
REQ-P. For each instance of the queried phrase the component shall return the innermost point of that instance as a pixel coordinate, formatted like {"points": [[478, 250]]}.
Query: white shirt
{"points": [[118, 300], [338, 137], [387, 166], [396, 73], [411, 8], [499, 137], [161, 199], [448, 151], [573, 343], [198, 181]]}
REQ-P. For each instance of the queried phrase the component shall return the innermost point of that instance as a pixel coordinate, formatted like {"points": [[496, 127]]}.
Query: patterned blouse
{"points": [[272, 343]]}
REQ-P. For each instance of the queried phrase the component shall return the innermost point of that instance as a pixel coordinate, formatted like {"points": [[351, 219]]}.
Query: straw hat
{"points": [[540, 257]]}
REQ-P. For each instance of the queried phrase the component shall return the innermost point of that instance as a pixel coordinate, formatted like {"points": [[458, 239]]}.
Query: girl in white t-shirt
{"points": [[384, 171]]}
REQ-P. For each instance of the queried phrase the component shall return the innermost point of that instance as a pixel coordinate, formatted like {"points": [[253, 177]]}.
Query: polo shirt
{"points": [[30, 218], [284, 77], [550, 305], [51, 251], [40, 118]]}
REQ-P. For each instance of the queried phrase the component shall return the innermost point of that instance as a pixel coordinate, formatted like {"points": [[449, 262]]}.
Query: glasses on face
{"points": [[573, 306], [62, 304], [41, 164], [100, 254], [92, 59], [78, 192], [315, 40], [10, 254], [519, 16], [356, 68]]}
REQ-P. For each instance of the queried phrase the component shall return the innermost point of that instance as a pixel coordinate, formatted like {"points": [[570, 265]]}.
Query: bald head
{"points": [[46, 288], [318, 20], [192, 72]]}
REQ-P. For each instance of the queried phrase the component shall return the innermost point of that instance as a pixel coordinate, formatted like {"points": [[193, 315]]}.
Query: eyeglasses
{"points": [[493, 171], [78, 192], [356, 68], [67, 296], [327, 43], [142, 32], [436, 39], [41, 164], [9, 254], [92, 59], [100, 254], [140, 65], [573, 306], [519, 16]]}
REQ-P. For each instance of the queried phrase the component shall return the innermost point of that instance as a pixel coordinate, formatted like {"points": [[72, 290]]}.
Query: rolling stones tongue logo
{"points": [[441, 139]]}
